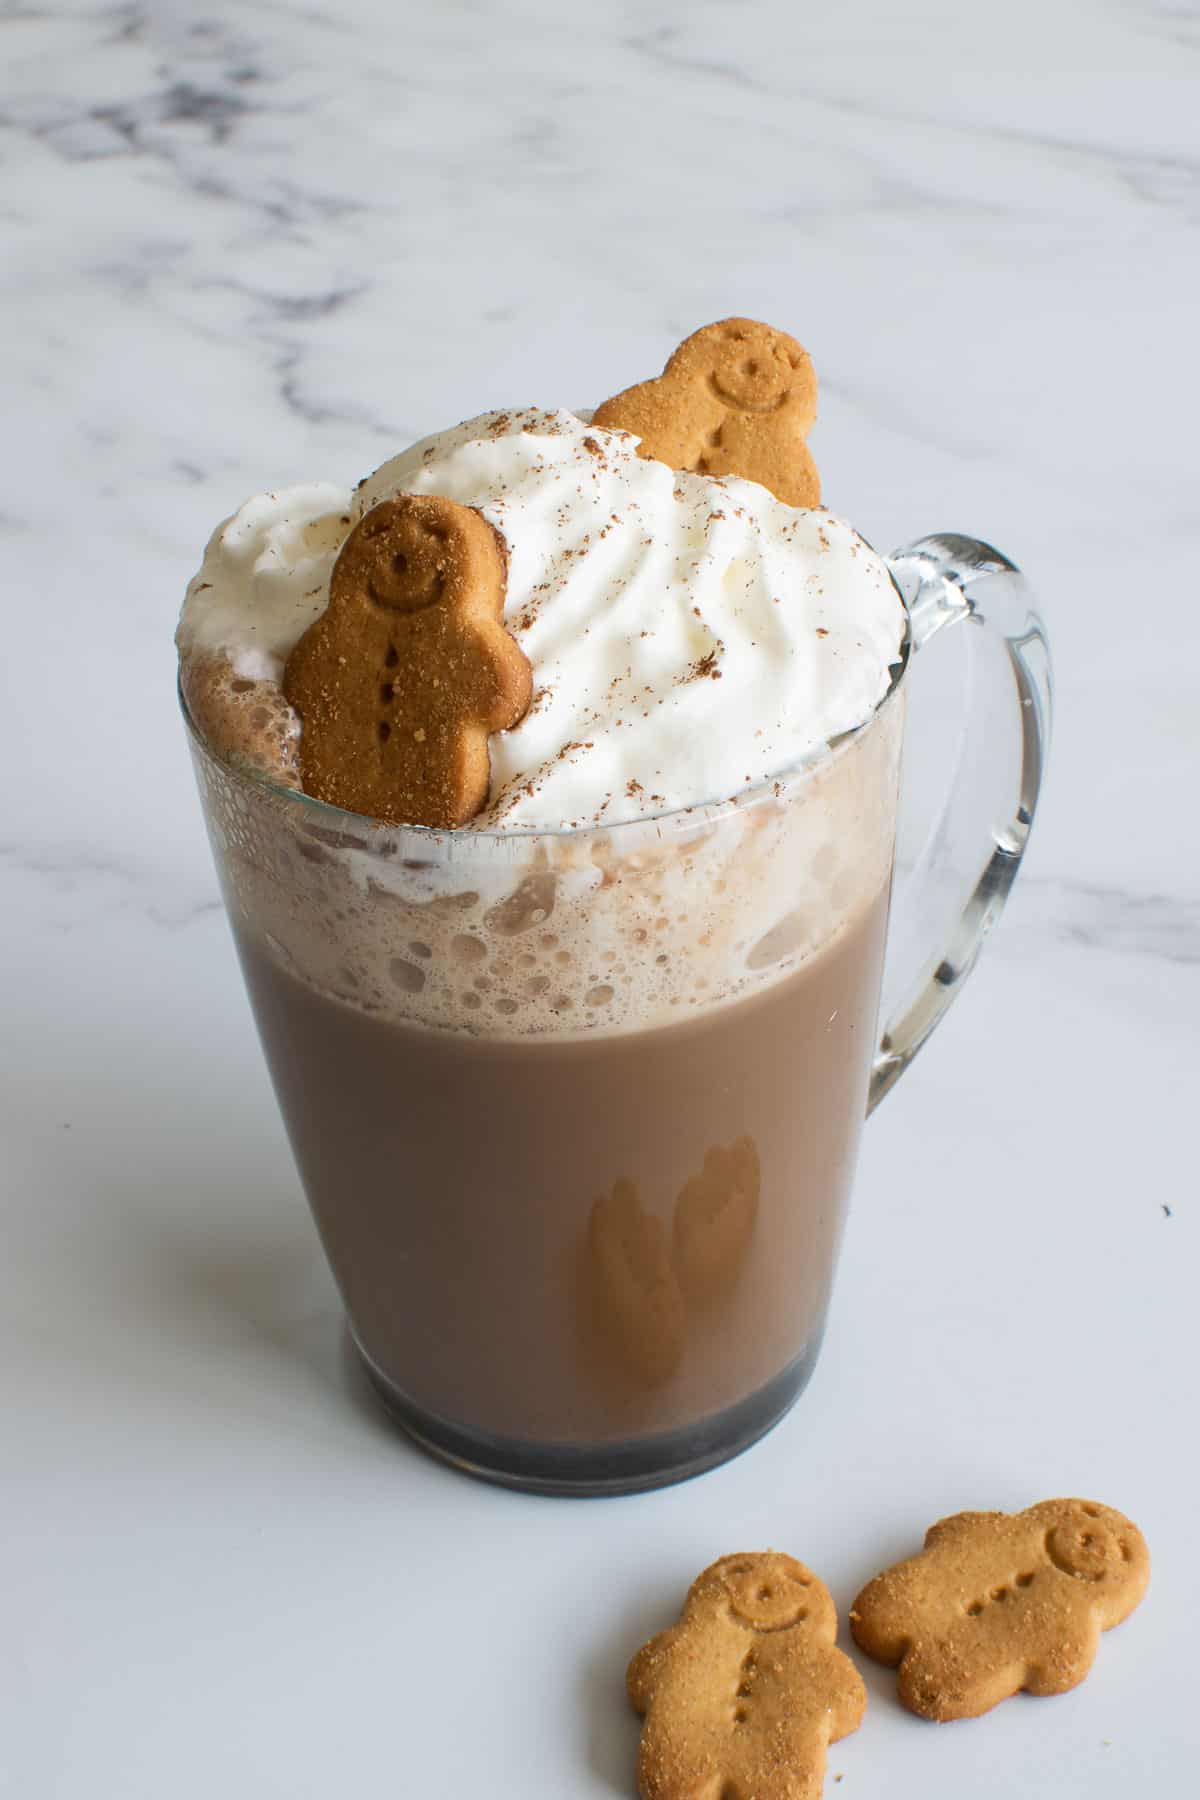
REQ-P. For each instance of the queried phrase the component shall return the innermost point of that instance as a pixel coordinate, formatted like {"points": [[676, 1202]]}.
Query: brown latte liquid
{"points": [[583, 1240]]}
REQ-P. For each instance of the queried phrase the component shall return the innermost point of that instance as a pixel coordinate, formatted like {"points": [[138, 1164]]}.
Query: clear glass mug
{"points": [[577, 1113]]}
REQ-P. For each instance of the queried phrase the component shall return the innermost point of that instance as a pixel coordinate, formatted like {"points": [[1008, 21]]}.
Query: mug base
{"points": [[593, 1471]]}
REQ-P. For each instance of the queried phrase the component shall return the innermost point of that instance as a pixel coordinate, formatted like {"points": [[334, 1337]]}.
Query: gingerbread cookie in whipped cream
{"points": [[688, 632]]}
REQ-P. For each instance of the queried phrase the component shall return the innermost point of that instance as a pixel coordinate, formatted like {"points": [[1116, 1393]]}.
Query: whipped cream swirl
{"points": [[690, 636]]}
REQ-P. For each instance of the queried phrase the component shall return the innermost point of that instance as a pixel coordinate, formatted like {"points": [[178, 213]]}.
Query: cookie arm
{"points": [[883, 1617], [1065, 1661], [962, 1526], [825, 1692], [768, 449], [505, 680], [847, 1695], [672, 419], [642, 1675]]}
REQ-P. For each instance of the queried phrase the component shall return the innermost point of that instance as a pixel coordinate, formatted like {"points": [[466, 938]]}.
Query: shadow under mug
{"points": [[577, 1112]]}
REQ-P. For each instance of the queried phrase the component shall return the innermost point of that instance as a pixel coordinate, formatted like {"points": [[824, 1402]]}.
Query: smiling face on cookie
{"points": [[401, 557], [752, 368], [1093, 1543], [767, 1591]]}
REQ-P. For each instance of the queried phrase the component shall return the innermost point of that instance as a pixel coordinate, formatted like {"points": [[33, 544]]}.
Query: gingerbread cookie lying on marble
{"points": [[744, 1695], [736, 398], [403, 678], [997, 1603]]}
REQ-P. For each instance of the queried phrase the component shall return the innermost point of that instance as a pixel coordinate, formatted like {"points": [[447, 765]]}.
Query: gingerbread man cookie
{"points": [[409, 670], [736, 398], [743, 1697], [1000, 1602]]}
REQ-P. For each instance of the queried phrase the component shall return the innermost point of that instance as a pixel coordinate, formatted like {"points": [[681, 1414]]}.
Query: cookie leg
{"points": [[668, 1770], [953, 1686], [1062, 1665]]}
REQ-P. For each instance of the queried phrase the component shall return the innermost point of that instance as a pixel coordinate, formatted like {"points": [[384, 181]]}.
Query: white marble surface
{"points": [[248, 244]]}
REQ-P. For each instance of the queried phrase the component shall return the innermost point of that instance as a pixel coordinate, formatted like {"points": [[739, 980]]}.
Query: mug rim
{"points": [[670, 817]]}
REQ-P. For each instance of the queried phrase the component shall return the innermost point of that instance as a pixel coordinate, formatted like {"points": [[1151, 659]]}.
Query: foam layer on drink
{"points": [[510, 936], [689, 636]]}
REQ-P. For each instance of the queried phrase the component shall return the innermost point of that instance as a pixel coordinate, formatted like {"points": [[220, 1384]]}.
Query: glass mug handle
{"points": [[944, 908]]}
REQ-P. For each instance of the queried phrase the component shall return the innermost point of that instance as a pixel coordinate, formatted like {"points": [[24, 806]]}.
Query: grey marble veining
{"points": [[1126, 921]]}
